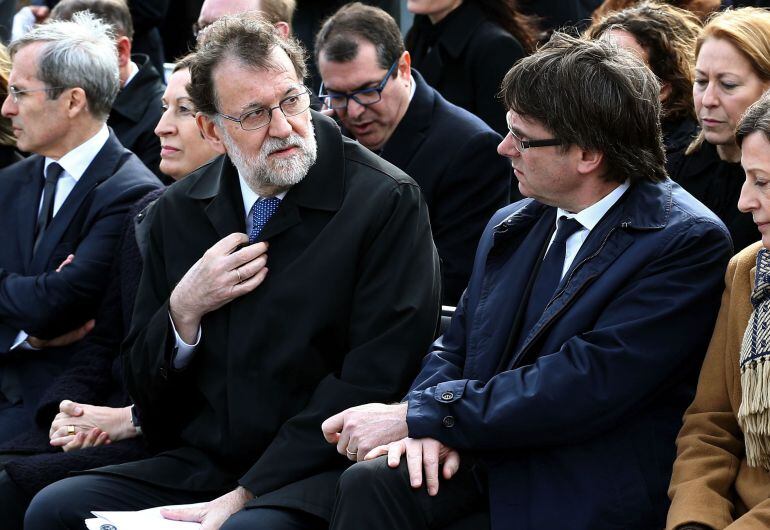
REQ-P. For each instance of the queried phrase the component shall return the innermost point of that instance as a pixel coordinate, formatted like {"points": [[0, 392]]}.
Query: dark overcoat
{"points": [[452, 155], [136, 112], [468, 61], [576, 424], [346, 312]]}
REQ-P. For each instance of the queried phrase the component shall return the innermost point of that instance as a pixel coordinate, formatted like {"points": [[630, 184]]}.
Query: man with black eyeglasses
{"points": [[554, 397], [385, 105], [285, 281]]}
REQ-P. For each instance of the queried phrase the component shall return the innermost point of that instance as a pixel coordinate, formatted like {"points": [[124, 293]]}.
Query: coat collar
{"points": [[646, 206], [321, 189], [132, 101], [459, 28], [411, 131]]}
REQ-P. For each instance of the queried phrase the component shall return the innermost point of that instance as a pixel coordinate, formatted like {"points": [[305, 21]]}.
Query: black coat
{"points": [[452, 155], [35, 298], [94, 376], [561, 14], [465, 58], [717, 184], [345, 314], [136, 112]]}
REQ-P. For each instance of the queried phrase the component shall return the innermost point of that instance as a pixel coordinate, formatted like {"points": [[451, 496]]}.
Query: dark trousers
{"points": [[373, 496], [67, 503], [13, 503]]}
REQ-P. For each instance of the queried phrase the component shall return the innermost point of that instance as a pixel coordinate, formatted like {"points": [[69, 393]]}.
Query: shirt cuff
{"points": [[183, 352], [21, 342]]}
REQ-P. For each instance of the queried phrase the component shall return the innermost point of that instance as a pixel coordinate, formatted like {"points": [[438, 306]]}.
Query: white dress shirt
{"points": [[588, 219], [183, 351], [74, 164]]}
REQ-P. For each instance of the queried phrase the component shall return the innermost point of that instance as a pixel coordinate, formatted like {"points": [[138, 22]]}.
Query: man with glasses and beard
{"points": [[285, 281]]}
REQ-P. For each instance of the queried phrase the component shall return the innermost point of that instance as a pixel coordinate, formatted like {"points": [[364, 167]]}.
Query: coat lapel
{"points": [[102, 167], [27, 206]]}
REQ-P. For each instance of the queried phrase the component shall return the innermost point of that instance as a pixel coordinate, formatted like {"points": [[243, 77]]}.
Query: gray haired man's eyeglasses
{"points": [[15, 92], [295, 103]]}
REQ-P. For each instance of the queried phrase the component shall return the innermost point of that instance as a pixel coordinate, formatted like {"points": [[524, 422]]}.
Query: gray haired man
{"points": [[61, 209]]}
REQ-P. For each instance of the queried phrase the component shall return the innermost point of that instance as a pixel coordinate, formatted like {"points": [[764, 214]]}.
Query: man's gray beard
{"points": [[281, 172]]}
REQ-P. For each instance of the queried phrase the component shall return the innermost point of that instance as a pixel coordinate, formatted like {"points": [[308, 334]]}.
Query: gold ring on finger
{"points": [[240, 280], [70, 430], [351, 454]]}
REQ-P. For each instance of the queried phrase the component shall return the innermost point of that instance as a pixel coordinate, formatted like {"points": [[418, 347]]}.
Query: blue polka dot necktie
{"points": [[261, 213]]}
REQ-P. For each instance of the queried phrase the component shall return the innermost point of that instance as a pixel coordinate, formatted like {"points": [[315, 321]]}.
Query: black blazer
{"points": [[468, 61], [452, 155], [136, 112], [35, 298], [345, 314]]}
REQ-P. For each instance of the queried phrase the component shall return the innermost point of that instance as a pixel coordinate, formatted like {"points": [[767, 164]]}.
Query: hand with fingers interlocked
{"points": [[224, 273]]}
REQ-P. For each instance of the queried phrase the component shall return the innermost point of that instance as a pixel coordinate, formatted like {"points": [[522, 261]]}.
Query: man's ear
{"points": [[282, 28], [123, 45], [210, 132], [590, 161], [405, 66], [76, 101]]}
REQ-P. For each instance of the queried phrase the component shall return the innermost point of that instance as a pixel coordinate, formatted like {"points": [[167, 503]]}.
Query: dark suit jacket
{"points": [[343, 317], [33, 297], [94, 376], [577, 428], [452, 155], [136, 111], [468, 61]]}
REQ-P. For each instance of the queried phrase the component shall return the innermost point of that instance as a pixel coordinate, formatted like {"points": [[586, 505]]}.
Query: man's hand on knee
{"points": [[358, 430], [223, 273], [423, 454], [212, 515]]}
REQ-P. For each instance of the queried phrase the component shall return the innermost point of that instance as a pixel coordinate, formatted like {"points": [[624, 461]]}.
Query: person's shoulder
{"points": [[367, 169], [746, 259]]}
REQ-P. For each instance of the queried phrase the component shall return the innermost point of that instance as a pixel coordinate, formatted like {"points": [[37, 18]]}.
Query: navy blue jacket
{"points": [[577, 429], [35, 298], [452, 155]]}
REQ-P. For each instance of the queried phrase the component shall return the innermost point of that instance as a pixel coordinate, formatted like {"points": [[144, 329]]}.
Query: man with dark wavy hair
{"points": [[553, 399]]}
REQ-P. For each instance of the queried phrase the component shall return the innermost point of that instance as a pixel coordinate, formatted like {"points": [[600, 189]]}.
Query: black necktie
{"points": [[549, 274], [53, 172]]}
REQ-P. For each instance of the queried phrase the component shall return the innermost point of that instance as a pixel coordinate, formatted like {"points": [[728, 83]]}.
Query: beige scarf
{"points": [[754, 412]]}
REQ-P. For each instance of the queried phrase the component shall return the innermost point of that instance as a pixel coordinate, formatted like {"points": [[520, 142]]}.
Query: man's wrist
{"points": [[185, 323]]}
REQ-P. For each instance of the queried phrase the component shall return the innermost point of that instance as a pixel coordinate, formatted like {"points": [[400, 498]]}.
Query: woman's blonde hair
{"points": [[6, 132], [748, 29]]}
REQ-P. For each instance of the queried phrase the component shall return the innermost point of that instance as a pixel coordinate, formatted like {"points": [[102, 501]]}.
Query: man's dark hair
{"points": [[596, 96], [248, 38], [668, 35], [756, 119], [342, 33], [112, 12]]}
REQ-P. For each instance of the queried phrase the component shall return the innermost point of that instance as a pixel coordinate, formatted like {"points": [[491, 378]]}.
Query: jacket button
{"points": [[448, 421], [447, 396]]}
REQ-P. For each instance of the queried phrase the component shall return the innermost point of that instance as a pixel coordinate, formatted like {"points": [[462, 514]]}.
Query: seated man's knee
{"points": [[54, 507], [365, 477]]}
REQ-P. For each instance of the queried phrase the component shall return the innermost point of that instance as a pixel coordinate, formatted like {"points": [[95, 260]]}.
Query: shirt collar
{"points": [[76, 161], [250, 197], [590, 217], [133, 69]]}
